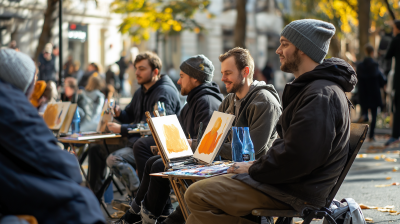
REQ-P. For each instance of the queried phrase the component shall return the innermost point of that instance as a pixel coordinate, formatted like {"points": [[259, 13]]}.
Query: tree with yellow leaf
{"points": [[348, 15], [165, 17]]}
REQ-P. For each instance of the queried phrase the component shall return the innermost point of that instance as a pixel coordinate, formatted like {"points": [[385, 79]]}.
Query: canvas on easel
{"points": [[55, 114], [68, 118], [170, 138], [105, 117], [214, 136]]}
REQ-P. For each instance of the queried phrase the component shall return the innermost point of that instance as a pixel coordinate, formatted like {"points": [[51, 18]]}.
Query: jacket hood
{"points": [[258, 85], [205, 89], [332, 69]]}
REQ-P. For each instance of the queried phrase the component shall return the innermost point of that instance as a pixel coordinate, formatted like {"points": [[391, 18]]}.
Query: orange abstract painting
{"points": [[50, 115], [210, 140], [174, 141]]}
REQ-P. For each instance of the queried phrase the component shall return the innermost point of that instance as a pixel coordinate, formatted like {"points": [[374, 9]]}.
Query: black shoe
{"points": [[129, 218]]}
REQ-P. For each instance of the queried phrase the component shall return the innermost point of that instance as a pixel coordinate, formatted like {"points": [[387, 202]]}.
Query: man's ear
{"points": [[246, 71], [156, 72]]}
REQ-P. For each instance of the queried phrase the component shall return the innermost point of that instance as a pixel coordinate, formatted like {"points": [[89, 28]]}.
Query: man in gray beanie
{"points": [[203, 98], [31, 162], [302, 166]]}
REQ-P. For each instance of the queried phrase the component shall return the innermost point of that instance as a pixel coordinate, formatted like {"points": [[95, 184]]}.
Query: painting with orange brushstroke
{"points": [[55, 113], [171, 136], [213, 137], [173, 139]]}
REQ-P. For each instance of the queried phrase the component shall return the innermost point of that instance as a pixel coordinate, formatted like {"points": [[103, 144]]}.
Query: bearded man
{"points": [[154, 87], [303, 165]]}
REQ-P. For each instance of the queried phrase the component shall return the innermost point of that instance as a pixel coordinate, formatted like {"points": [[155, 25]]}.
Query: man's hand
{"points": [[114, 127], [242, 167], [117, 111]]}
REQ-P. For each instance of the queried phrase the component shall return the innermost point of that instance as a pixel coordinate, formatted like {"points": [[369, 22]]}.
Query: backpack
{"points": [[349, 213]]}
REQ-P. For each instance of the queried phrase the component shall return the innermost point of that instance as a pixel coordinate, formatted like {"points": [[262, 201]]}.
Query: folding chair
{"points": [[358, 133]]}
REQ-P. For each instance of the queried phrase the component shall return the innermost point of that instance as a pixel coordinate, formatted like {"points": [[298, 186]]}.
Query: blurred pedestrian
{"points": [[93, 93], [268, 73], [69, 68], [78, 71], [93, 69], [123, 65], [47, 62], [394, 51], [370, 82], [13, 45], [112, 76], [72, 94]]}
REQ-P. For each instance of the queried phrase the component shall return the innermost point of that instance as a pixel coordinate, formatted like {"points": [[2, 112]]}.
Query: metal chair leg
{"points": [[118, 188]]}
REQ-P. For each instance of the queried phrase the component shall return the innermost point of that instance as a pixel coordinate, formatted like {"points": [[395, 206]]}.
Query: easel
{"points": [[179, 183]]}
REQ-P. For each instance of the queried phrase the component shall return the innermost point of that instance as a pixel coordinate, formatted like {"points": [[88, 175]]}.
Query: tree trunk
{"points": [[48, 24], [241, 21], [364, 9]]}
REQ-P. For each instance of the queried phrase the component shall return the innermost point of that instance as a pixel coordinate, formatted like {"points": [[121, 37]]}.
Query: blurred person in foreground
{"points": [[394, 51], [32, 166], [303, 165], [370, 82]]}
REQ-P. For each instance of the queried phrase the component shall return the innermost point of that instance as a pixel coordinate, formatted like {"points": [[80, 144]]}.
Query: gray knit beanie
{"points": [[198, 67], [16, 68], [310, 36]]}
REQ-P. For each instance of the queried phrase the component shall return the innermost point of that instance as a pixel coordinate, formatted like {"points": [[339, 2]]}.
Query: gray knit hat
{"points": [[310, 36], [16, 68], [198, 67]]}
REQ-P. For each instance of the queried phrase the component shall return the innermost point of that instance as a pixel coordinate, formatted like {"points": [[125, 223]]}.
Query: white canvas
{"points": [[171, 136], [213, 136], [55, 113]]}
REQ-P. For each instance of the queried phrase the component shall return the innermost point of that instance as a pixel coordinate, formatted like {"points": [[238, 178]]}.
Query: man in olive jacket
{"points": [[301, 167]]}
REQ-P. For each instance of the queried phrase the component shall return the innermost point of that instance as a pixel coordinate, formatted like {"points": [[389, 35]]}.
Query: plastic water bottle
{"points": [[237, 146], [76, 120], [160, 109], [248, 147]]}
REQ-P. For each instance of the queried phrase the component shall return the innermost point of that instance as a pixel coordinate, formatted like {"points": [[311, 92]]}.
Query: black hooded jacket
{"points": [[202, 101], [314, 131], [163, 90]]}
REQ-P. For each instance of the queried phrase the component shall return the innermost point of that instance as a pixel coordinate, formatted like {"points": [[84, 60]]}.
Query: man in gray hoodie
{"points": [[255, 104]]}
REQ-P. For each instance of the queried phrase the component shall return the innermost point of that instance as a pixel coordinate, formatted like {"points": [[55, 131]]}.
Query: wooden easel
{"points": [[179, 183]]}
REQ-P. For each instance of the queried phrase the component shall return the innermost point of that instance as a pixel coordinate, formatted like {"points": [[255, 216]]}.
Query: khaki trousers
{"points": [[222, 200]]}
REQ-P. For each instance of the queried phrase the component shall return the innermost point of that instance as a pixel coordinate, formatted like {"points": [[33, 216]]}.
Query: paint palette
{"points": [[174, 145]]}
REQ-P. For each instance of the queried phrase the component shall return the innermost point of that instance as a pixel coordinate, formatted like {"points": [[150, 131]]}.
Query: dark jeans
{"points": [[154, 191], [396, 116], [142, 152], [374, 113]]}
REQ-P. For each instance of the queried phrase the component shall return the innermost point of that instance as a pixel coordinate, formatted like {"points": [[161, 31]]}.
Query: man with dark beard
{"points": [[154, 87], [303, 165]]}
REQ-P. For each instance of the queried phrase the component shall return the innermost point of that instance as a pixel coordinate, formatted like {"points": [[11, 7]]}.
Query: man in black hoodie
{"points": [[204, 97], [301, 167], [154, 88]]}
